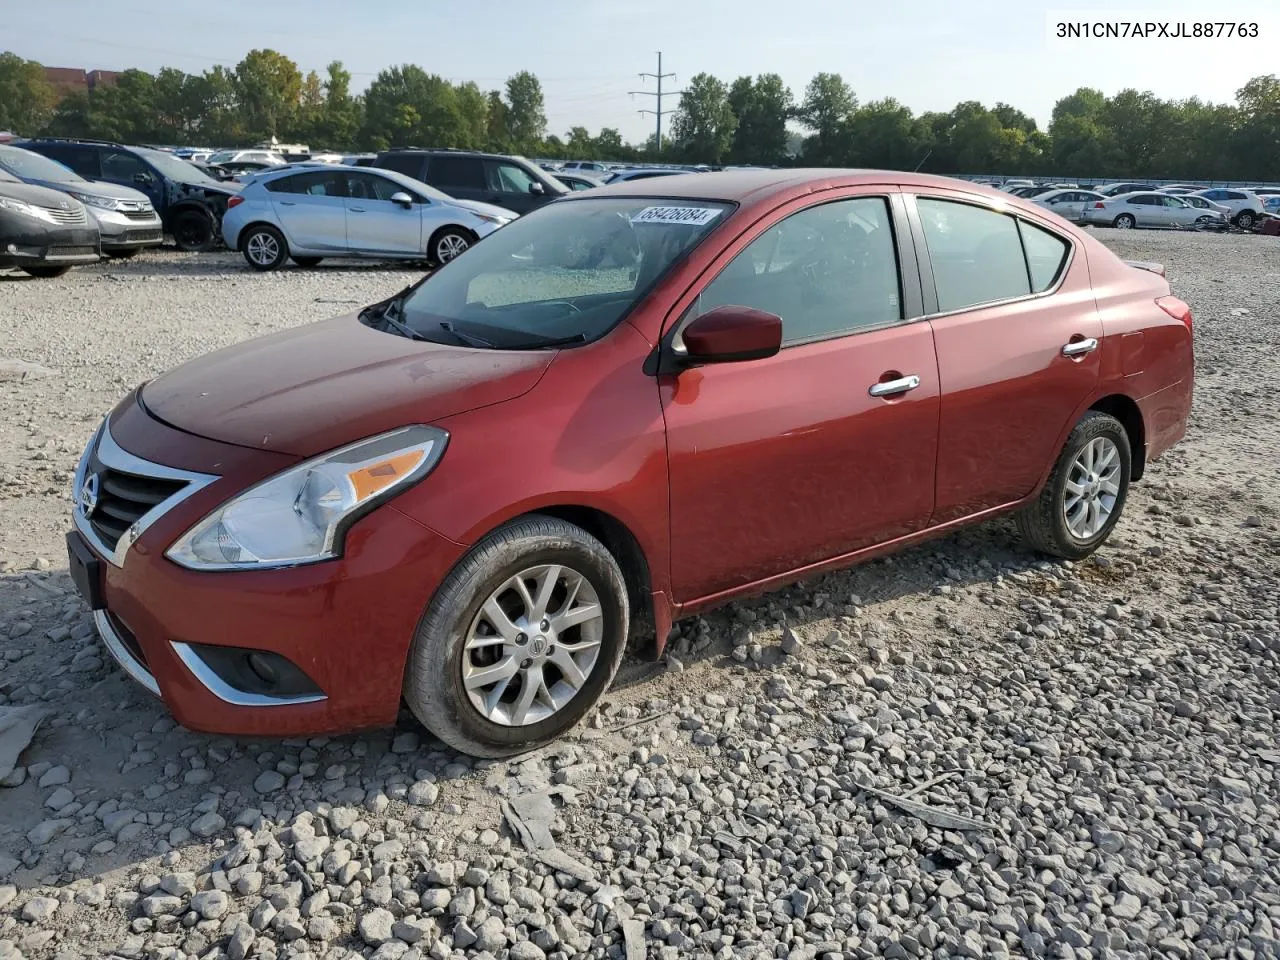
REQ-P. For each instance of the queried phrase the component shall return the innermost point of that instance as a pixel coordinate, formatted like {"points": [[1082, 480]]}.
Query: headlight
{"points": [[102, 203], [300, 515], [26, 209]]}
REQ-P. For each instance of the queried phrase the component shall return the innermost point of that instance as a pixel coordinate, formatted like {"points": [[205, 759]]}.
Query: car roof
{"points": [[743, 186]]}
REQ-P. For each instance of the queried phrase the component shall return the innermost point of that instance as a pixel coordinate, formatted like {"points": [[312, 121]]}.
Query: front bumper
{"points": [[27, 241], [345, 624], [122, 231]]}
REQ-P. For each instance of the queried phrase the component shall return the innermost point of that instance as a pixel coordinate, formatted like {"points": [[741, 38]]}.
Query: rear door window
{"points": [[976, 254], [324, 183], [458, 173], [410, 164], [508, 178]]}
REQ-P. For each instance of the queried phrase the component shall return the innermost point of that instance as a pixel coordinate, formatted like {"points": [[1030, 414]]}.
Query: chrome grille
{"points": [[123, 499], [119, 495], [68, 216], [140, 214]]}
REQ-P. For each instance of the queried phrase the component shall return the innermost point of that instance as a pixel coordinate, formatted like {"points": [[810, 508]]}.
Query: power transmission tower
{"points": [[658, 112]]}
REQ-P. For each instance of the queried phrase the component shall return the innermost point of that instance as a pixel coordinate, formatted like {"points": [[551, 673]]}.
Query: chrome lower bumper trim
{"points": [[128, 663], [229, 694]]}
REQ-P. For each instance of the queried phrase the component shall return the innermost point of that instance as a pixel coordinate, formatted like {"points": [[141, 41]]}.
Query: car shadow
{"points": [[123, 749]]}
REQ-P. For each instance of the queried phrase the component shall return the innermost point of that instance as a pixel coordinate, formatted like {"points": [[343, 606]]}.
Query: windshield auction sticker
{"points": [[693, 216]]}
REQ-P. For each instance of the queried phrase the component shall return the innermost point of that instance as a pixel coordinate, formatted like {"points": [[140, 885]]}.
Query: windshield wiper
{"points": [[469, 339], [388, 317], [540, 342]]}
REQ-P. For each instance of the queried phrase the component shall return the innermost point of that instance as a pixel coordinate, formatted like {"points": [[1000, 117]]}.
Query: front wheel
{"points": [[46, 273], [264, 247], [521, 639], [448, 244], [1082, 500], [193, 231], [1124, 222]]}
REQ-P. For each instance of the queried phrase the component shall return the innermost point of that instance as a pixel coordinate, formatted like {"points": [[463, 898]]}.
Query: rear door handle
{"points": [[288, 203], [1078, 348], [888, 388], [356, 209]]}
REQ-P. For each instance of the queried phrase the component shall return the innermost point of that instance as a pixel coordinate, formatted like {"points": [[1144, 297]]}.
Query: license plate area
{"points": [[86, 571]]}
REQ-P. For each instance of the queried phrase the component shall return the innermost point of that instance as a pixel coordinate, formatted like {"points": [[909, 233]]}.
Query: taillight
{"points": [[1099, 206], [1175, 308], [235, 202]]}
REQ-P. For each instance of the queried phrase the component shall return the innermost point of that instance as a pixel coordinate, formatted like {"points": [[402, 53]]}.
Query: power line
{"points": [[658, 112]]}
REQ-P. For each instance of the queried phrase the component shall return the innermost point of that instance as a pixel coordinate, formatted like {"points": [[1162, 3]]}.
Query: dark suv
{"points": [[190, 202], [510, 182]]}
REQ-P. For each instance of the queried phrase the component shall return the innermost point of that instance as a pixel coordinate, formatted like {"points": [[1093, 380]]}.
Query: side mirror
{"points": [[537, 189], [142, 177], [732, 333], [402, 198]]}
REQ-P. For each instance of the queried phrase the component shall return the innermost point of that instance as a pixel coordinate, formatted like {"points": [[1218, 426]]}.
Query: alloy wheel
{"points": [[262, 249], [1092, 488], [532, 646], [449, 246]]}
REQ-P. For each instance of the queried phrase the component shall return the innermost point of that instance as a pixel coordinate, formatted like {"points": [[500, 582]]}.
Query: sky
{"points": [[928, 54]]}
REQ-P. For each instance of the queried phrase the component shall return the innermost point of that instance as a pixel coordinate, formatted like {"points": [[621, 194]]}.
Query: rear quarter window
{"points": [[1046, 255]]}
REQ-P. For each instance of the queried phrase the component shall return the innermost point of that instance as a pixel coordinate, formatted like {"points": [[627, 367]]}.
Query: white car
{"points": [[244, 156], [309, 213], [1068, 204], [1149, 208], [1244, 206]]}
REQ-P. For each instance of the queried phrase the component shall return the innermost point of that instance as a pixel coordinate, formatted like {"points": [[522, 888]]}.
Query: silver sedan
{"points": [[306, 214], [1149, 209], [1068, 204]]}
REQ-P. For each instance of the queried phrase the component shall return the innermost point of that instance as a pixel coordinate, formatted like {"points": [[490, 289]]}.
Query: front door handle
{"points": [[1077, 348], [888, 388], [356, 209], [288, 203]]}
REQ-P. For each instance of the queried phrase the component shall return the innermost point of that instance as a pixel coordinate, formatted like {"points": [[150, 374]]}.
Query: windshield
{"points": [[24, 163], [566, 273], [174, 168], [416, 186]]}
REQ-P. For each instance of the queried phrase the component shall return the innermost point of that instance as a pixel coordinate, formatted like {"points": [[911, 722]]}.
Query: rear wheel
{"points": [[448, 244], [521, 639], [193, 231], [46, 273], [1125, 221], [124, 254], [1082, 500], [1246, 219], [264, 247], [306, 261]]}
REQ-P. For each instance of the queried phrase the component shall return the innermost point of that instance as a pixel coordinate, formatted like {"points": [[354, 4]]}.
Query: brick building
{"points": [[66, 80]]}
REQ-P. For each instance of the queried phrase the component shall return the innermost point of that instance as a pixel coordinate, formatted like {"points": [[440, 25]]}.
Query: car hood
{"points": [[319, 386], [31, 193], [487, 209]]}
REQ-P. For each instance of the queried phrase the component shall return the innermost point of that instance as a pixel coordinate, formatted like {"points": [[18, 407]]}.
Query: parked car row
{"points": [[1128, 205]]}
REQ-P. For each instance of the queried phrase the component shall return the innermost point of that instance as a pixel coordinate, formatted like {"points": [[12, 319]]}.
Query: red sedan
{"points": [[635, 403]]}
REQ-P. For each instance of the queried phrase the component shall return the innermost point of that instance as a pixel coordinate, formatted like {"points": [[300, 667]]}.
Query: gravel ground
{"points": [[1095, 744]]}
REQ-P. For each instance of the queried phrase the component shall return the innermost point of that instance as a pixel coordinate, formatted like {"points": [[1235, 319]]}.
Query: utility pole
{"points": [[658, 112]]}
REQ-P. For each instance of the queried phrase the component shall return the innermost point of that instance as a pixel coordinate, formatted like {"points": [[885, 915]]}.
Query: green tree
{"points": [[268, 88], [497, 132], [1257, 142], [885, 135], [406, 106], [828, 105], [703, 126], [526, 112], [762, 108], [340, 114], [26, 98]]}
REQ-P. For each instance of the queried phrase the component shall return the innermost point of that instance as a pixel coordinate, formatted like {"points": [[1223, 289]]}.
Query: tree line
{"points": [[752, 120]]}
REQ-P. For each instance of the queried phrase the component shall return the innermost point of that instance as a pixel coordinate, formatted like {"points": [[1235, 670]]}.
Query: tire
{"points": [[1125, 221], [124, 254], [447, 244], [264, 247], [306, 261], [46, 273], [1044, 524], [193, 231], [434, 687], [1246, 219]]}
